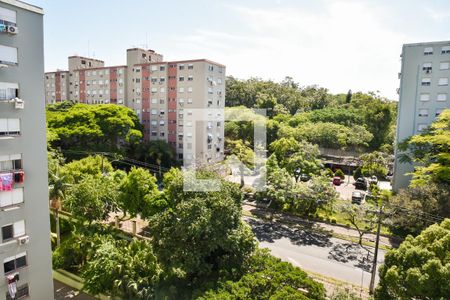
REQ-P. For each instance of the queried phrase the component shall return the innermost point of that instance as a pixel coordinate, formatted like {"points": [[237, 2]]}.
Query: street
{"points": [[316, 252]]}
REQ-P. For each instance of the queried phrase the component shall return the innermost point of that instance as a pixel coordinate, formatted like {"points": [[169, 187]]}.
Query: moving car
{"points": [[357, 197], [337, 180], [361, 184]]}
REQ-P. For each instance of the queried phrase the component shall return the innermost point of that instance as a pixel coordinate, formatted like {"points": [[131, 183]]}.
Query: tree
{"points": [[267, 277], [358, 173], [95, 165], [58, 186], [135, 191], [92, 199], [374, 163], [339, 173], [361, 218], [430, 151], [128, 270], [419, 268], [348, 98], [410, 209], [200, 233]]}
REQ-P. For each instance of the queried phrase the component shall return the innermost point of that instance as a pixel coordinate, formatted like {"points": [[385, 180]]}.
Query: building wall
{"points": [[419, 104], [31, 144], [56, 86]]}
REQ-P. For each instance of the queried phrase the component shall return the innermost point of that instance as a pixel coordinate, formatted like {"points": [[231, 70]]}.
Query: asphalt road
{"points": [[317, 252]]}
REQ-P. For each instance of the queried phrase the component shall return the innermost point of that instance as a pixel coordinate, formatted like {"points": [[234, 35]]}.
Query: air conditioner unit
{"points": [[23, 240], [13, 29], [18, 103]]}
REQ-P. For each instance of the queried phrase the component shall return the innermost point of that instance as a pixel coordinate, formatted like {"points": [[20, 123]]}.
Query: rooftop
{"points": [[24, 5]]}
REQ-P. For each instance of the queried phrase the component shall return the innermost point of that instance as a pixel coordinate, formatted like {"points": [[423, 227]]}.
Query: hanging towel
{"points": [[6, 181]]}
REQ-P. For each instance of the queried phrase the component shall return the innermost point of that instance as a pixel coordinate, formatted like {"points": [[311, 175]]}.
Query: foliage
{"points": [[242, 150], [200, 233], [411, 208], [374, 163], [95, 166], [267, 277], [344, 293], [430, 150], [93, 198], [157, 152], [358, 173], [419, 268], [339, 173], [137, 189], [93, 127], [361, 218], [124, 269]]}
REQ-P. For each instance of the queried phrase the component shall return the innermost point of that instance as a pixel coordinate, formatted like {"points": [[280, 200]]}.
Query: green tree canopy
{"points": [[419, 268]]}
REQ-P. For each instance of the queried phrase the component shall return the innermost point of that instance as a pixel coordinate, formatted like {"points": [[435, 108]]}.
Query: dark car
{"points": [[304, 177], [357, 197], [361, 184], [337, 180]]}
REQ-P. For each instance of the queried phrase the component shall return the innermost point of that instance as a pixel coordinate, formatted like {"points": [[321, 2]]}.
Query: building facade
{"points": [[424, 94], [25, 250], [166, 97]]}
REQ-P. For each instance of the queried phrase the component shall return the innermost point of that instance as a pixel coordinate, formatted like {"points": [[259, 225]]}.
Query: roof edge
{"points": [[24, 5]]}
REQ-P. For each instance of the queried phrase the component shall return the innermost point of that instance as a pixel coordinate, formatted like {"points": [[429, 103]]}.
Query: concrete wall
{"points": [[32, 145]]}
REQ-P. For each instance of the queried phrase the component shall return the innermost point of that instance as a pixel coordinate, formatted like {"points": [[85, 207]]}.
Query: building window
{"points": [[190, 78], [8, 55], [8, 91], [445, 65], [445, 50], [13, 231], [425, 97], [210, 68], [162, 90], [426, 81], [190, 66], [439, 111], [423, 112], [154, 90], [181, 90], [189, 101], [443, 81], [154, 111], [181, 67], [13, 263], [161, 123], [190, 89], [421, 127], [181, 78], [154, 68], [9, 127], [7, 16], [427, 67], [154, 101], [428, 51], [162, 68], [442, 97], [154, 123]]}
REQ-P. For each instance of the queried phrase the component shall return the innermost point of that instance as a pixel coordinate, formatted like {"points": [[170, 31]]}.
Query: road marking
{"points": [[294, 262]]}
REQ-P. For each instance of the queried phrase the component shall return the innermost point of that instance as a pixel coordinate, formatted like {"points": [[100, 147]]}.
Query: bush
{"points": [[357, 173], [333, 220], [339, 173], [329, 172]]}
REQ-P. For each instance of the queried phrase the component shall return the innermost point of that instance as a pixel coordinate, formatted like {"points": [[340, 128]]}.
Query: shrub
{"points": [[357, 173], [339, 173]]}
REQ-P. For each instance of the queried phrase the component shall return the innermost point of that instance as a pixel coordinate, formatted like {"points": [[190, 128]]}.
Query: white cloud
{"points": [[343, 46]]}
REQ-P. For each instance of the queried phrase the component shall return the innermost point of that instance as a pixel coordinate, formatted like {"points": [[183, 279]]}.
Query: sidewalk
{"points": [[319, 226]]}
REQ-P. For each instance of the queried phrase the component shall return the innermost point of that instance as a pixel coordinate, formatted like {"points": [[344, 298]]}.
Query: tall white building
{"points": [[25, 252], [424, 94]]}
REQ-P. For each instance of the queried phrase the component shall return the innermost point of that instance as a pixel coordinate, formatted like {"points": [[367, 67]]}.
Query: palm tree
{"points": [[58, 186], [160, 151]]}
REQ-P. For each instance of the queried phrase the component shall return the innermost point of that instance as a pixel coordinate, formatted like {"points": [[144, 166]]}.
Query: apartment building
{"points": [[25, 251], [166, 95], [424, 94]]}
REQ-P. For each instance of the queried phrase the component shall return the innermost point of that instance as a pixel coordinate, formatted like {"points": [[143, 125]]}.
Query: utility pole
{"points": [[375, 255]]}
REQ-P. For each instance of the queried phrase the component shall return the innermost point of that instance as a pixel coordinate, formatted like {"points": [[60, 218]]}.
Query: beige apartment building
{"points": [[166, 96]]}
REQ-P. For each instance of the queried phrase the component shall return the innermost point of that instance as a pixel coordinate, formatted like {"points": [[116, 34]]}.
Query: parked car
{"points": [[357, 197], [373, 180], [304, 177], [337, 180], [361, 184]]}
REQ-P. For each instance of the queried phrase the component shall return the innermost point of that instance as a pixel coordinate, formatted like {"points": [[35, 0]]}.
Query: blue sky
{"points": [[337, 44]]}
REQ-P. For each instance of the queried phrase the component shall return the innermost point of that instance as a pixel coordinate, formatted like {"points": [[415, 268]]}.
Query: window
{"points": [[154, 68], [190, 78], [189, 101], [120, 71], [162, 90], [219, 81], [154, 101], [154, 111], [7, 16], [162, 79], [438, 112], [161, 123], [154, 133], [22, 292], [154, 123], [12, 231], [8, 55], [423, 112], [445, 50], [428, 51], [443, 81], [181, 78], [444, 65], [162, 112], [190, 89], [9, 127], [210, 68], [421, 127], [181, 67], [15, 262], [154, 90], [10, 162], [190, 66], [154, 79], [162, 68], [424, 97], [8, 91], [181, 90], [426, 81], [427, 67], [442, 97]]}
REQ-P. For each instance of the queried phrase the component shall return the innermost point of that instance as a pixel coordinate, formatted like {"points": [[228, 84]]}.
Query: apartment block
{"points": [[164, 94], [25, 252], [424, 94]]}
